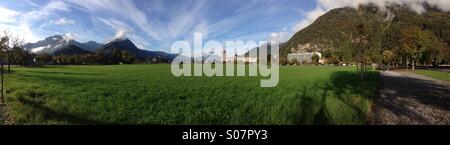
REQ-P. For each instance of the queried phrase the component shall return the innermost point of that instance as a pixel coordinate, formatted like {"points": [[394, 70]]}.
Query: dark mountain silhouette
{"points": [[91, 46], [128, 45], [71, 50]]}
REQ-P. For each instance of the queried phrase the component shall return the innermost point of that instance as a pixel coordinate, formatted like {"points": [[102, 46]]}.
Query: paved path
{"points": [[5, 119], [406, 98]]}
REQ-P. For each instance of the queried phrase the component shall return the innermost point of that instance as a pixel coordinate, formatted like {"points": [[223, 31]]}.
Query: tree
{"points": [[116, 56], [19, 55], [334, 59], [315, 58], [293, 61], [7, 48], [435, 49], [362, 39], [283, 61], [43, 58], [128, 57], [388, 57], [4, 46], [419, 44], [100, 57], [88, 59]]}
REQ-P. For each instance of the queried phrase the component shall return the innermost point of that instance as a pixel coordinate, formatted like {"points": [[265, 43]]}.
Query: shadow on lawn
{"points": [[309, 105], [400, 95], [61, 80], [64, 73], [342, 85], [51, 114]]}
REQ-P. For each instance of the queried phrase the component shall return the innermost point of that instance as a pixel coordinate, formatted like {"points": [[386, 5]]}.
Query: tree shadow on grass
{"points": [[65, 73], [347, 85], [344, 86], [313, 110], [51, 114], [401, 95], [66, 80]]}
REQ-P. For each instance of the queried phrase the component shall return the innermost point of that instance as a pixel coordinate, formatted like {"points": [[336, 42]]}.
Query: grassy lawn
{"points": [[445, 76], [149, 94]]}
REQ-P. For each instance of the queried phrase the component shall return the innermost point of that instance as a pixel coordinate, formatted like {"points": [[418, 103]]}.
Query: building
{"points": [[242, 59], [303, 57]]}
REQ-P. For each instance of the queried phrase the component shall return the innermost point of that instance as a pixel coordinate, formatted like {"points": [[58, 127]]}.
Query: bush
{"points": [[293, 61], [283, 61]]}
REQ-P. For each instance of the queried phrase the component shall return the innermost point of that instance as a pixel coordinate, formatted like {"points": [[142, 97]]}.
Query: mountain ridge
{"points": [[126, 44], [60, 44], [71, 50], [332, 30], [53, 43]]}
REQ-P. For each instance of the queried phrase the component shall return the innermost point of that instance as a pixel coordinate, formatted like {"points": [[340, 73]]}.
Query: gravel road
{"points": [[406, 98]]}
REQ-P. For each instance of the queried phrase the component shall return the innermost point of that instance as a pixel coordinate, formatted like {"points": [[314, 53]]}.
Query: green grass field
{"points": [[149, 94], [445, 76]]}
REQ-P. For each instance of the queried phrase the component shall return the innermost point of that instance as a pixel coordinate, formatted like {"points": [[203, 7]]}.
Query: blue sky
{"points": [[156, 24], [153, 24]]}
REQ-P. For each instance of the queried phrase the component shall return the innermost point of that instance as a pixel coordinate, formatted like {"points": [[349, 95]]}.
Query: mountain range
{"points": [[56, 42], [63, 45]]}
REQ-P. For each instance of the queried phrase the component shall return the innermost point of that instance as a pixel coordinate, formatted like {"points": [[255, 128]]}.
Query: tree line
{"points": [[97, 58]]}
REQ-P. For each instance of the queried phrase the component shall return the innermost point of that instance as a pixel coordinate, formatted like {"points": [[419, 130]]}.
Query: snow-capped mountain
{"points": [[57, 42]]}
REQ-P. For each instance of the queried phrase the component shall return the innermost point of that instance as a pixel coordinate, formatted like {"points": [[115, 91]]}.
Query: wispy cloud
{"points": [[62, 21], [124, 8], [7, 15], [47, 10], [31, 3], [155, 24]]}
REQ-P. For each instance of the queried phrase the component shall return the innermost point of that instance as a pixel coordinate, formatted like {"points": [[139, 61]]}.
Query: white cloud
{"points": [[62, 21], [121, 28], [20, 22], [415, 5], [7, 15], [310, 17], [69, 36], [120, 34], [281, 36], [10, 20]]}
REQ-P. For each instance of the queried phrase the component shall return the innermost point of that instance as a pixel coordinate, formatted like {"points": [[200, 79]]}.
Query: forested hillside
{"points": [[371, 34]]}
